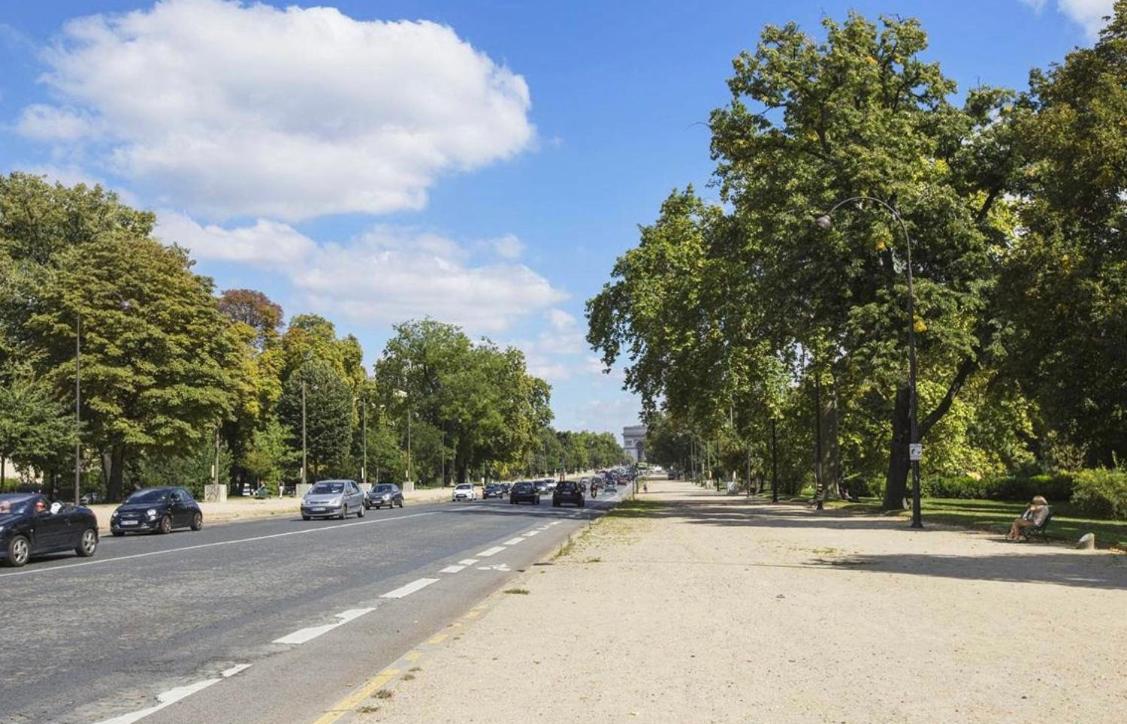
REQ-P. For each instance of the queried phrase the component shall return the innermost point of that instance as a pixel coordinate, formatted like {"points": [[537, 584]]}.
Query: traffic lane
{"points": [[133, 543], [306, 681], [120, 627]]}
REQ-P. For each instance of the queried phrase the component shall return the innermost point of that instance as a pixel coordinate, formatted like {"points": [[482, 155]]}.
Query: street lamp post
{"points": [[401, 394], [364, 440], [77, 408], [304, 452], [825, 222]]}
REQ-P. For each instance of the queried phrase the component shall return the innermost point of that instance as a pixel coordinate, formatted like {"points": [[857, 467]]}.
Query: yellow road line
{"points": [[413, 655], [437, 639], [354, 700]]}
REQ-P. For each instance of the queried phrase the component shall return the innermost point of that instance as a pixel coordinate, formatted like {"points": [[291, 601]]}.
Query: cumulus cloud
{"points": [[386, 275], [508, 246], [229, 109], [1089, 14]]}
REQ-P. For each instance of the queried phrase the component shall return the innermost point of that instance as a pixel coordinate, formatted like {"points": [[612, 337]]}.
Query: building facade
{"points": [[634, 442]]}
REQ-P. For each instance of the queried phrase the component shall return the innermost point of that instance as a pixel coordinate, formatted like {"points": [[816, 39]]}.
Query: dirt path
{"points": [[702, 607]]}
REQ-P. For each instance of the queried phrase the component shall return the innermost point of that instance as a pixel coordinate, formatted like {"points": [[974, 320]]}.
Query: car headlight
{"points": [[151, 512], [336, 501], [387, 496], [115, 514]]}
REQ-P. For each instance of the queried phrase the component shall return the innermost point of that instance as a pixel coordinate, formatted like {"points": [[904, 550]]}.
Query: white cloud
{"points": [[561, 320], [1089, 14], [386, 275], [267, 243], [228, 109], [507, 246]]}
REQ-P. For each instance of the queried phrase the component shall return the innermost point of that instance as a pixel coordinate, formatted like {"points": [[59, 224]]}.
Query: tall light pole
{"points": [[364, 440], [401, 394], [304, 454], [825, 222], [77, 407]]}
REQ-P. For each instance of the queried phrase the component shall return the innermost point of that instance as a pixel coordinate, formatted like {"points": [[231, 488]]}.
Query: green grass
{"points": [[996, 516]]}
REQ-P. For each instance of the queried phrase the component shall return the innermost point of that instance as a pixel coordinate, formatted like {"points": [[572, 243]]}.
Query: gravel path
{"points": [[707, 608]]}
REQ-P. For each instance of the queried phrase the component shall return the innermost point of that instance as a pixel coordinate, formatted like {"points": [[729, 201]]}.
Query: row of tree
{"points": [[758, 338], [179, 385]]}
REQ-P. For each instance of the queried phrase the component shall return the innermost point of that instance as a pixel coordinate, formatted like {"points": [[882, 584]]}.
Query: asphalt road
{"points": [[276, 619]]}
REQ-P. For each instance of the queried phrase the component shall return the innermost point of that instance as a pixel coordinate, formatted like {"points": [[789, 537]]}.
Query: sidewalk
{"points": [[688, 606], [247, 508]]}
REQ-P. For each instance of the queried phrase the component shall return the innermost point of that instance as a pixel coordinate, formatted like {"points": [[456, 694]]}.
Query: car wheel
{"points": [[360, 513], [400, 502], [344, 511], [19, 550], [87, 544], [197, 521], [305, 517], [165, 526], [368, 506], [117, 533]]}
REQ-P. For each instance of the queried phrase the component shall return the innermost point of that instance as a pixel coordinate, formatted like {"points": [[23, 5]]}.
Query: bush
{"points": [[1010, 487], [1101, 493]]}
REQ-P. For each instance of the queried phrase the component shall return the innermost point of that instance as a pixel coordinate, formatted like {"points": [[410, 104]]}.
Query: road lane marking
{"points": [[437, 639], [490, 552], [413, 656], [531, 533], [215, 544], [555, 522], [452, 569], [467, 561], [168, 698], [513, 541], [350, 702], [305, 635], [404, 591], [503, 567], [236, 669]]}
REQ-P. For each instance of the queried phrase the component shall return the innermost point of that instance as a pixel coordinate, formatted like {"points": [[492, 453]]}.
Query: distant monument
{"points": [[634, 442]]}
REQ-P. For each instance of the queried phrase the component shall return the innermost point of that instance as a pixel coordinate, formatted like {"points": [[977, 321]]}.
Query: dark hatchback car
{"points": [[157, 510], [524, 492], [493, 490], [383, 494], [31, 526], [567, 491]]}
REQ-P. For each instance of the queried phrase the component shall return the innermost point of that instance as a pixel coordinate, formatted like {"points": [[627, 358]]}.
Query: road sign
{"points": [[915, 452]]}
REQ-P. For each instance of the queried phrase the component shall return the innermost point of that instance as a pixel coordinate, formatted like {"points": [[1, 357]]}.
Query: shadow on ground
{"points": [[1014, 562]]}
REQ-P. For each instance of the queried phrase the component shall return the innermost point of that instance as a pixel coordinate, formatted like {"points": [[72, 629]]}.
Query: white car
{"points": [[465, 491]]}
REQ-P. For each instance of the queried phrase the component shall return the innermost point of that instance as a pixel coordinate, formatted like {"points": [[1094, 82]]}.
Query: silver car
{"points": [[333, 499]]}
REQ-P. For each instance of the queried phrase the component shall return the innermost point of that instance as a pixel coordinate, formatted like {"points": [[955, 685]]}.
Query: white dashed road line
{"points": [[513, 541], [304, 635], [531, 533], [467, 561], [452, 569], [490, 552], [404, 591], [170, 697]]}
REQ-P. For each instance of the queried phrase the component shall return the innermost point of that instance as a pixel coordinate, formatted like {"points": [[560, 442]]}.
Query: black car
{"points": [[383, 494], [493, 490], [505, 487], [524, 492], [157, 510], [567, 491], [31, 526]]}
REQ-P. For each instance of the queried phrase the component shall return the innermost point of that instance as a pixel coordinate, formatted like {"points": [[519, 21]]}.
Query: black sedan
{"points": [[31, 526], [524, 492], [383, 494], [157, 510], [493, 490], [567, 491]]}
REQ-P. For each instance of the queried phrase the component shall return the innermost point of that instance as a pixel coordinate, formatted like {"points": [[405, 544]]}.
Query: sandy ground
{"points": [[245, 508], [707, 608]]}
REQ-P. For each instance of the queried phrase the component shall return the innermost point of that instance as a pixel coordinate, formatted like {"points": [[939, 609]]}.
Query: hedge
{"points": [[1056, 488], [1101, 493]]}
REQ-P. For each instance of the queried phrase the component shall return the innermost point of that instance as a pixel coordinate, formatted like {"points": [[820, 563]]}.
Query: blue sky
{"points": [[485, 167]]}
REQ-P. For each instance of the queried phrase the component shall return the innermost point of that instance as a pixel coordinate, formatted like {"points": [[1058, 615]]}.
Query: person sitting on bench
{"points": [[1033, 517]]}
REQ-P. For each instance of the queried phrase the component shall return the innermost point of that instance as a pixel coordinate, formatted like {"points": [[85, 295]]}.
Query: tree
{"points": [[156, 355], [270, 457], [35, 430], [328, 416], [254, 309]]}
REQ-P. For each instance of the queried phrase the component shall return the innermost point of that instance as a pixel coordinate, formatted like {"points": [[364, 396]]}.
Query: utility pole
{"points": [[304, 454], [364, 440], [77, 408], [774, 463], [215, 477]]}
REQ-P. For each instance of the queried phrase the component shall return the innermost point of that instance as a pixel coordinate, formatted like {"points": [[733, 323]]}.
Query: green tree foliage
{"points": [[271, 458], [35, 430], [328, 417]]}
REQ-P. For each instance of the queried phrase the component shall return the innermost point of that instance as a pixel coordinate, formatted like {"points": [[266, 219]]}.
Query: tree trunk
{"points": [[896, 481], [116, 463]]}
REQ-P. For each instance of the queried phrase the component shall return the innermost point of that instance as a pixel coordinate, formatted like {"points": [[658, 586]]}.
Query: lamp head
{"points": [[824, 222]]}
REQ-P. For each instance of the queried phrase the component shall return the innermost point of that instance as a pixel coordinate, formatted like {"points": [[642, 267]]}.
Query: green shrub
{"points": [[1009, 487], [953, 486], [1101, 493]]}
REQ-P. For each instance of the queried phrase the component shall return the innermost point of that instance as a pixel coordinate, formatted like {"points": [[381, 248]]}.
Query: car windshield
{"points": [[465, 486], [154, 495], [14, 505], [327, 488], [384, 488], [522, 487], [566, 486]]}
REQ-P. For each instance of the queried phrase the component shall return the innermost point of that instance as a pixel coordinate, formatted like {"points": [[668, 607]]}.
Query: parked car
{"points": [[32, 526], [464, 491], [524, 492], [505, 487], [493, 490], [333, 499], [156, 510], [567, 491], [383, 494]]}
